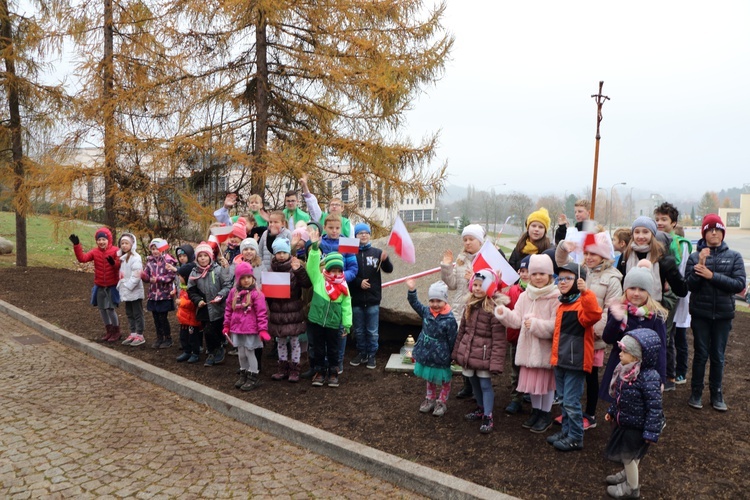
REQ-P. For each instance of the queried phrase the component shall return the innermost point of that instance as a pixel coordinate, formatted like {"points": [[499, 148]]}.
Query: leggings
{"points": [[483, 386], [631, 473], [109, 316], [248, 361], [161, 323], [543, 401], [294, 347], [134, 312], [445, 390]]}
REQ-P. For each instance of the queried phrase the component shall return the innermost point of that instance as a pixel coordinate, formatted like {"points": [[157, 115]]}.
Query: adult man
{"points": [[714, 274], [291, 211], [582, 213]]}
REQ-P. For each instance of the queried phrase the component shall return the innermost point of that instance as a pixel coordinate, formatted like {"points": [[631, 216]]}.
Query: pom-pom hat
{"points": [[281, 245], [541, 216], [239, 230], [489, 280], [204, 247], [333, 260], [641, 277]]}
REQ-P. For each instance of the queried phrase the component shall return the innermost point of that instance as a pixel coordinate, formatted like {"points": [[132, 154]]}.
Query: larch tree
{"points": [[297, 87], [29, 106]]}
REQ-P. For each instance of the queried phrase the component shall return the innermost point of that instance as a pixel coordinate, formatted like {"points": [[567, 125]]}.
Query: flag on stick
{"points": [[276, 285], [490, 257], [401, 242], [221, 233], [348, 245]]}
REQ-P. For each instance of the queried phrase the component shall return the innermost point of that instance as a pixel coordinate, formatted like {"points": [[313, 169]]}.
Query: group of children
{"points": [[573, 299]]}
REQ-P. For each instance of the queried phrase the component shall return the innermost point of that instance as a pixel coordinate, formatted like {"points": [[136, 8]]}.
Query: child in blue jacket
{"points": [[432, 352]]}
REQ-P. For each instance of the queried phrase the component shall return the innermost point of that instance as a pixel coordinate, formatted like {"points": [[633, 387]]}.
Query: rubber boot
{"points": [[466, 391], [115, 335], [283, 371], [294, 372], [107, 333]]}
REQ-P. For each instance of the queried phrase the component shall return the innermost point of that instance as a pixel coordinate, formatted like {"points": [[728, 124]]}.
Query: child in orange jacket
{"points": [[573, 351], [191, 331]]}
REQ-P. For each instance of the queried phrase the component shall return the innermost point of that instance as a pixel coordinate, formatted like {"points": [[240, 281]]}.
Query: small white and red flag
{"points": [[401, 242], [490, 257], [276, 285], [221, 233], [348, 245]]}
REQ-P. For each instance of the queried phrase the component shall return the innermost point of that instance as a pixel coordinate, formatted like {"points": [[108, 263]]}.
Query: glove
{"points": [[74, 239], [225, 331], [264, 336], [110, 260], [145, 276]]}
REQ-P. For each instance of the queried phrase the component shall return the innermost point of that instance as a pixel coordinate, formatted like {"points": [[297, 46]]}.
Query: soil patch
{"points": [[700, 454]]}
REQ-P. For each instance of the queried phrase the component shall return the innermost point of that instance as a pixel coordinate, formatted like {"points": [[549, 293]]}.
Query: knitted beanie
{"points": [[334, 260], [540, 264], [250, 243], [302, 233], [631, 346], [602, 246], [242, 269], [362, 227], [474, 230], [711, 221], [489, 281], [204, 247], [239, 230], [281, 245], [541, 216], [438, 291], [100, 234], [640, 277], [644, 221]]}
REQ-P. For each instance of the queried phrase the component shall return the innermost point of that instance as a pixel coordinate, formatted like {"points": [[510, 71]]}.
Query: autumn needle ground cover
{"points": [[700, 454]]}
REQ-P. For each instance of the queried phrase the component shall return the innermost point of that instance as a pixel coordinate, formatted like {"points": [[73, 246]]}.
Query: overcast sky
{"points": [[514, 105]]}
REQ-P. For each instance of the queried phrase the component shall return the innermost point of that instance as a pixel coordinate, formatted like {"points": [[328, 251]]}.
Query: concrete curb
{"points": [[404, 473]]}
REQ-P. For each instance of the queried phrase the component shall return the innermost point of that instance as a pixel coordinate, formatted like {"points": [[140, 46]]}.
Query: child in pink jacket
{"points": [[246, 319]]}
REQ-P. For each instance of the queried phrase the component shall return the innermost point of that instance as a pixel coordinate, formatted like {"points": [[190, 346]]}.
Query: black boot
{"points": [[242, 380], [531, 421], [543, 423], [466, 391]]}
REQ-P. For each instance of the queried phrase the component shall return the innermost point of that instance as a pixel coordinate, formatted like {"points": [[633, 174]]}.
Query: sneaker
{"points": [[194, 358], [717, 401], [209, 360], [543, 423], [567, 444], [558, 419], [669, 385], [183, 357], [358, 359], [475, 416], [589, 423], [128, 340], [166, 344], [371, 364], [341, 367], [487, 424], [440, 409], [333, 380], [219, 355], [156, 343], [138, 340], [680, 380], [623, 490], [618, 478], [531, 421], [695, 402], [318, 379], [513, 408], [427, 406], [557, 436]]}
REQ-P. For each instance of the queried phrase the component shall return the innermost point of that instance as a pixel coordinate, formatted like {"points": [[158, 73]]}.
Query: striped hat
{"points": [[204, 247], [334, 260], [161, 244]]}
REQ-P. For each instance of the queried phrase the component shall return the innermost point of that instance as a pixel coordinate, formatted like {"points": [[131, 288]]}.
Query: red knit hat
{"points": [[711, 221], [239, 230]]}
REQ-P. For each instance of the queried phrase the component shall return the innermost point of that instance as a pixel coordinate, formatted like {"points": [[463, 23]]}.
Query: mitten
{"points": [[110, 260], [74, 239], [264, 336], [145, 276]]}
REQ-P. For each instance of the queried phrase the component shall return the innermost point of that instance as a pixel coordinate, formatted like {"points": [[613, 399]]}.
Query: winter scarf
{"points": [[243, 296], [627, 373], [335, 285], [529, 248], [203, 271], [639, 312], [537, 293]]}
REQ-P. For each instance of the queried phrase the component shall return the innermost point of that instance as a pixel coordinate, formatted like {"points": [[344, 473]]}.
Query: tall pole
{"points": [[599, 103]]}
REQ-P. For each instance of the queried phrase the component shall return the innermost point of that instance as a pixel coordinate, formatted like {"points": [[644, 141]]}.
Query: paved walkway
{"points": [[73, 426]]}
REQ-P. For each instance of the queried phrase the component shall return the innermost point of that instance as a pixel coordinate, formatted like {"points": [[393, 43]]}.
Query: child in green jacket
{"points": [[331, 308]]}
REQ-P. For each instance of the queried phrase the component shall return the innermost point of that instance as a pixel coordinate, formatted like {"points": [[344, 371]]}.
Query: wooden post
{"points": [[599, 103]]}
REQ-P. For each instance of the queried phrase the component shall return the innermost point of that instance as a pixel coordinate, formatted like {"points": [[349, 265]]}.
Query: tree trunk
{"points": [[110, 164], [258, 175], [21, 199]]}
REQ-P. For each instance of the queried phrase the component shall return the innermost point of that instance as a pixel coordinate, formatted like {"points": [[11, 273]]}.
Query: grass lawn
{"points": [[47, 239]]}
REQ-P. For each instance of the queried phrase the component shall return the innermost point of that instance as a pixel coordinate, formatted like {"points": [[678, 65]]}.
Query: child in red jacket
{"points": [[104, 295], [515, 291]]}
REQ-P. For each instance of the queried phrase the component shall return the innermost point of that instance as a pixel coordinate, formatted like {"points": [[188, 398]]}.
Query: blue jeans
{"points": [[709, 342], [570, 385], [365, 328]]}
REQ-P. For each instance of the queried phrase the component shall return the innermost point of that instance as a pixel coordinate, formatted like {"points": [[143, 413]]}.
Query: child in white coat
{"points": [[130, 287]]}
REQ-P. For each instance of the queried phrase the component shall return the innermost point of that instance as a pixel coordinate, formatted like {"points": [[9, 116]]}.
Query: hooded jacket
{"points": [[213, 284], [130, 285], [638, 403], [714, 298], [286, 317], [157, 267], [481, 342], [105, 274], [241, 320], [189, 251], [573, 340]]}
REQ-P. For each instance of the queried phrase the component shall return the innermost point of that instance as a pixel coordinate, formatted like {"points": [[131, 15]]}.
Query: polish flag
{"points": [[221, 233], [276, 285], [490, 257], [348, 245], [401, 242]]}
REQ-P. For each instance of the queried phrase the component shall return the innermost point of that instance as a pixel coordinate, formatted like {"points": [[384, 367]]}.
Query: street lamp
{"points": [[611, 194]]}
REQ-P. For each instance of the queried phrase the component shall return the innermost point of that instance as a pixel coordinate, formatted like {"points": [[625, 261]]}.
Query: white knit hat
{"points": [[474, 230]]}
